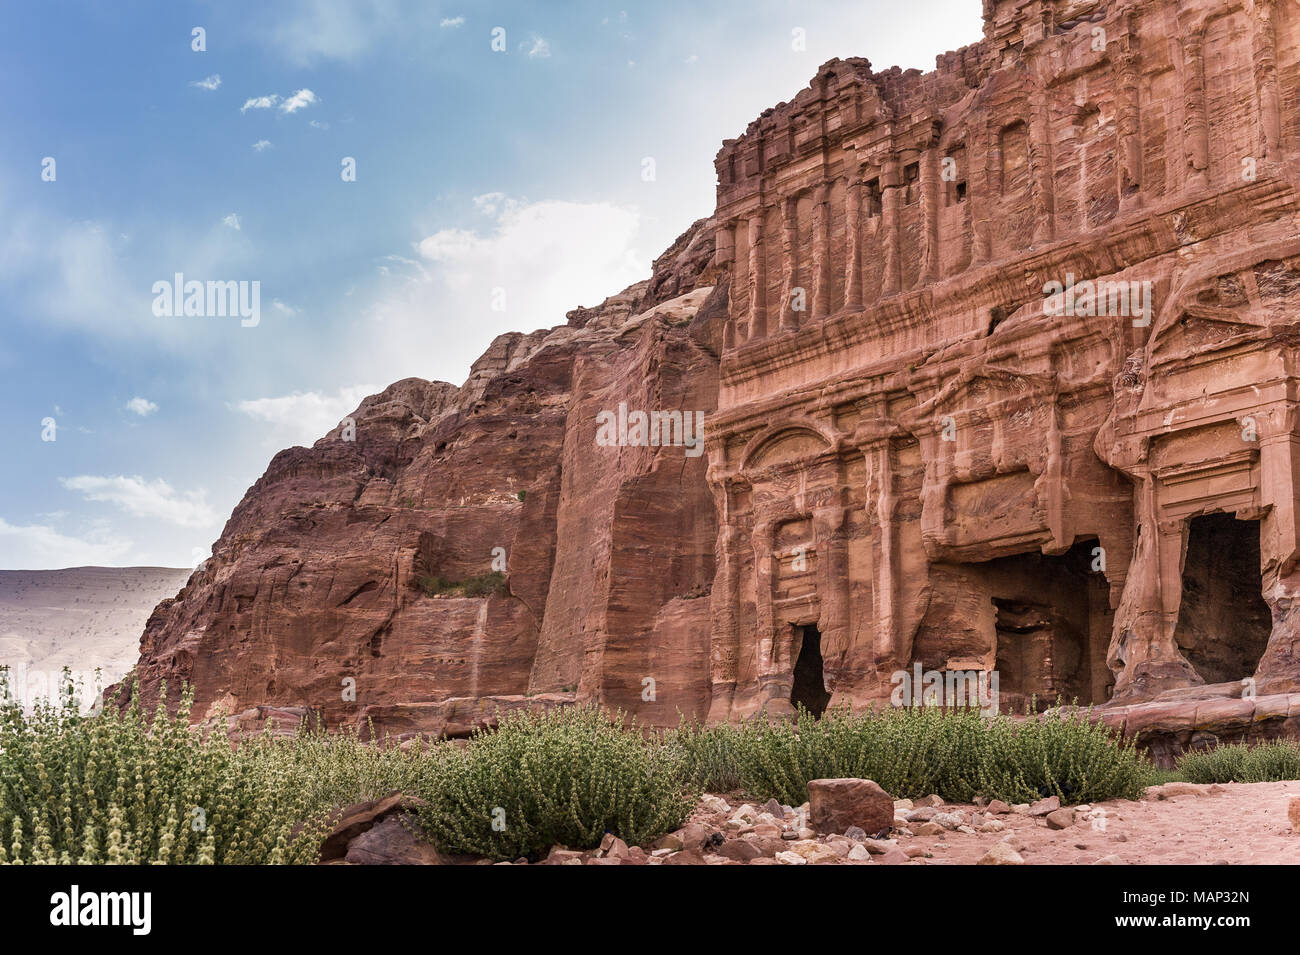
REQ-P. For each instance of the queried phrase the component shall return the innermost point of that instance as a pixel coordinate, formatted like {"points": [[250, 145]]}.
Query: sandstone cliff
{"points": [[337, 585]]}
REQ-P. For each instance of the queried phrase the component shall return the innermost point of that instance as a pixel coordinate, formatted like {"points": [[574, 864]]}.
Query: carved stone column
{"points": [[853, 232], [1196, 128], [757, 278], [1130, 121], [931, 190], [789, 261], [891, 187], [1040, 167], [821, 297], [1266, 82], [987, 194]]}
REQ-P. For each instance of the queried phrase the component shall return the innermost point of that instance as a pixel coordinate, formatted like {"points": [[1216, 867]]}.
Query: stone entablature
{"points": [[913, 456]]}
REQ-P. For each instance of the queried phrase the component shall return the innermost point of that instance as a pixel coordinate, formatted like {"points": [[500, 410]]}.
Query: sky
{"points": [[403, 181]]}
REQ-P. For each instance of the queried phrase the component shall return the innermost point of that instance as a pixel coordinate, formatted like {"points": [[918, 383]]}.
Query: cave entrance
{"points": [[809, 688], [1223, 621], [1052, 624]]}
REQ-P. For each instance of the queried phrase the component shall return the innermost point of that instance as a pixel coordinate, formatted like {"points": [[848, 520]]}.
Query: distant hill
{"points": [[81, 618]]}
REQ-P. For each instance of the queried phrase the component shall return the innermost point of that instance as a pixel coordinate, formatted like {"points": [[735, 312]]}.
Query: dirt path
{"points": [[1233, 824]]}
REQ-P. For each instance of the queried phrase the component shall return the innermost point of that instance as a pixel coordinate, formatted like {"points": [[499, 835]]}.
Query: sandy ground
{"points": [[1229, 824], [82, 618]]}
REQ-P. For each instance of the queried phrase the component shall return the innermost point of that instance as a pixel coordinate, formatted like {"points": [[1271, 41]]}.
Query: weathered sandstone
{"points": [[998, 366]]}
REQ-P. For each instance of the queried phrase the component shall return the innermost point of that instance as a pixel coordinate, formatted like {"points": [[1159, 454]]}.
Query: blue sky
{"points": [[476, 170]]}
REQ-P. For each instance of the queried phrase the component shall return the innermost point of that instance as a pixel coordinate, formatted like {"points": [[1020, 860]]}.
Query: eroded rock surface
{"points": [[998, 362]]}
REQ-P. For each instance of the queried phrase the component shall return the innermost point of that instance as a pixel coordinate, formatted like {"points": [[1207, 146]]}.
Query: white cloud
{"points": [[262, 144], [141, 406], [305, 31], [232, 220], [208, 83], [450, 23], [41, 547], [260, 102], [282, 308], [542, 258], [537, 48], [141, 498], [304, 416], [489, 202], [299, 100], [317, 124]]}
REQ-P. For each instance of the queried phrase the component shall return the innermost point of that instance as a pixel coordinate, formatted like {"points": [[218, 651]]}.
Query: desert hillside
{"points": [[81, 617]]}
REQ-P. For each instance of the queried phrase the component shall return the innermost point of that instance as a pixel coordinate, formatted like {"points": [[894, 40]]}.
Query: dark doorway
{"points": [[809, 688], [1223, 620]]}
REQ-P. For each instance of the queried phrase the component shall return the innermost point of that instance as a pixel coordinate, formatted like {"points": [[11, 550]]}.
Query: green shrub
{"points": [[1067, 755], [1242, 763], [915, 751], [480, 585], [125, 789], [564, 777]]}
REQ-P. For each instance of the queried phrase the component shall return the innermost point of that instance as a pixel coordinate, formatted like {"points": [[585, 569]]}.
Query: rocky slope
{"points": [[338, 584]]}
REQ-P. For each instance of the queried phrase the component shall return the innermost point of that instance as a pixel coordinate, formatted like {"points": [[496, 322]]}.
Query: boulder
{"points": [[837, 804]]}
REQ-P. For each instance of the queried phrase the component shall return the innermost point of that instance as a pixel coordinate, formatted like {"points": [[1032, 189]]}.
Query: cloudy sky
{"points": [[498, 151]]}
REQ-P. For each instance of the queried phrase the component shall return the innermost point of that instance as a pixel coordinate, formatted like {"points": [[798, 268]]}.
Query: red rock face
{"points": [[338, 584], [998, 362], [1006, 381]]}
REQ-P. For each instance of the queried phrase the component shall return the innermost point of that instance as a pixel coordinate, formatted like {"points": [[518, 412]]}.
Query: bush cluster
{"points": [[124, 788], [1241, 763], [915, 751], [562, 777]]}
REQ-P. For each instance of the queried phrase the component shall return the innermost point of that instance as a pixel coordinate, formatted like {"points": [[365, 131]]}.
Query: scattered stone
{"points": [[1044, 806], [930, 800], [790, 858], [998, 808], [1060, 819], [739, 850], [992, 825], [714, 804], [949, 820], [394, 841], [836, 804], [855, 833], [1109, 860], [1001, 854], [930, 829], [774, 809], [924, 814]]}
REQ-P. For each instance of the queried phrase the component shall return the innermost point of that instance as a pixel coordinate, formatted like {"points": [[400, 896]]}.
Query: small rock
{"points": [[789, 835], [915, 852], [1001, 854], [1109, 860], [1044, 806], [714, 803], [858, 854], [930, 829], [924, 814], [774, 808], [815, 852], [949, 820], [997, 807], [895, 856], [992, 825], [836, 804], [902, 805], [1021, 808], [855, 833], [790, 858], [879, 846], [739, 850], [931, 800], [1060, 819]]}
